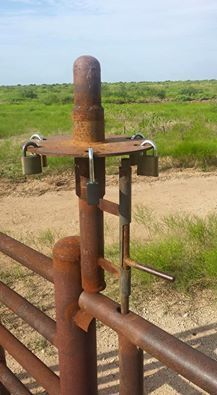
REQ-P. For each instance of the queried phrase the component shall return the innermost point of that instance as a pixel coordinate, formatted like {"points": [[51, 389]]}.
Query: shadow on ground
{"points": [[157, 378]]}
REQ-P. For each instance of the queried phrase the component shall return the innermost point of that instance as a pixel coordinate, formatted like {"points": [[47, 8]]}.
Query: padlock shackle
{"points": [[137, 136], [151, 143], [37, 136], [26, 145], [91, 165]]}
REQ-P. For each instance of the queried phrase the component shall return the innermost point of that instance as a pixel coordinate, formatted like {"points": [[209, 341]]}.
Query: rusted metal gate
{"points": [[77, 271]]}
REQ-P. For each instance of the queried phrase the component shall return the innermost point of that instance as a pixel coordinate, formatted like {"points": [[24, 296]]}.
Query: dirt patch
{"points": [[36, 206], [41, 211]]}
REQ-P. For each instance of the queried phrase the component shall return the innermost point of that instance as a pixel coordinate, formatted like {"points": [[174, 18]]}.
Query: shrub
{"points": [[50, 99]]}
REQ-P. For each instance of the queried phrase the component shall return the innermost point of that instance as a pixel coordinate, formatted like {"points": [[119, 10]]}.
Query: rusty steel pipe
{"points": [[148, 269], [92, 243], [130, 357], [89, 128], [109, 267], [3, 389], [43, 375], [109, 207], [27, 256], [77, 349], [125, 182], [88, 113], [172, 352], [29, 313], [11, 382], [130, 367]]}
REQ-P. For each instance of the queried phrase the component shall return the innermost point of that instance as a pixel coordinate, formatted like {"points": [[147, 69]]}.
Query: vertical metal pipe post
{"points": [[73, 343], [130, 357], [89, 128], [124, 231], [131, 368], [3, 390]]}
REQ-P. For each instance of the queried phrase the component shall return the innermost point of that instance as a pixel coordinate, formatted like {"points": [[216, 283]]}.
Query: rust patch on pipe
{"points": [[88, 113]]}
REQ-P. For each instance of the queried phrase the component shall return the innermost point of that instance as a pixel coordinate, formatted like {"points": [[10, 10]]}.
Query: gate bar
{"points": [[27, 256], [29, 313], [130, 356], [11, 382], [109, 267], [3, 389], [109, 207], [32, 364], [172, 352]]}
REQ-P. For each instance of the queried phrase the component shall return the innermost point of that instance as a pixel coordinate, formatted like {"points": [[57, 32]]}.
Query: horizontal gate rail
{"points": [[29, 313], [11, 382], [42, 374], [27, 256], [172, 352]]}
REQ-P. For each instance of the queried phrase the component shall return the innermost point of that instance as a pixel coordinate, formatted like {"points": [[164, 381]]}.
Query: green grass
{"points": [[184, 130], [27, 118], [185, 246]]}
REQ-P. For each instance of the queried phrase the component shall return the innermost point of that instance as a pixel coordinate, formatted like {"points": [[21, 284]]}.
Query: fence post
{"points": [[74, 345]]}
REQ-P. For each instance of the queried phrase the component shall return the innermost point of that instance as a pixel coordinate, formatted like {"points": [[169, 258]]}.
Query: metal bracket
{"points": [[82, 319]]}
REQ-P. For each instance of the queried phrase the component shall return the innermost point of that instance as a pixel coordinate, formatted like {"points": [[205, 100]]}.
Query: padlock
{"points": [[38, 136], [31, 164], [134, 156], [93, 190], [148, 164]]}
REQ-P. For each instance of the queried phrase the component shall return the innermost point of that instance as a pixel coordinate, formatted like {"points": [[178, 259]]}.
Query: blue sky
{"points": [[134, 40]]}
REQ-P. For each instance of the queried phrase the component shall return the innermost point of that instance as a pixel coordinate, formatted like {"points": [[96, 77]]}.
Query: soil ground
{"points": [[39, 212]]}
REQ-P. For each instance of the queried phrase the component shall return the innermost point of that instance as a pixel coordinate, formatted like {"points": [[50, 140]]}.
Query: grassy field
{"points": [[181, 117], [182, 245]]}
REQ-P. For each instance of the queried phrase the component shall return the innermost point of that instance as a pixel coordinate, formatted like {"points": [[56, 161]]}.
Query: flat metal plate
{"points": [[112, 146]]}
